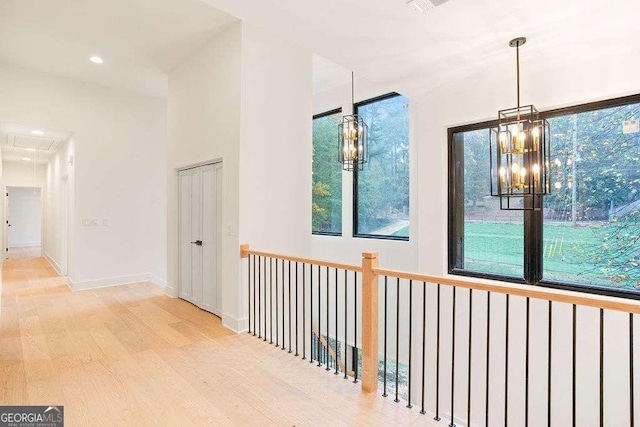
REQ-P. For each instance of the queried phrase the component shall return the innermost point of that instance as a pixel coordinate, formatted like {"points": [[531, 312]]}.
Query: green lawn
{"points": [[571, 254], [494, 248]]}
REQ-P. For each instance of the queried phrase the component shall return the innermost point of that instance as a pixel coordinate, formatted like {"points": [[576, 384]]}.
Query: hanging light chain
{"points": [[518, 72]]}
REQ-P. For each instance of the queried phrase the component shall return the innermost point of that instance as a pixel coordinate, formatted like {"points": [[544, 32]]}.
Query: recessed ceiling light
{"points": [[37, 132], [26, 159], [31, 149], [96, 59]]}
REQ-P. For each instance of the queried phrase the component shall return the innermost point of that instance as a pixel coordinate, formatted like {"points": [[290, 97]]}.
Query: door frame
{"points": [[64, 243], [177, 195], [6, 217]]}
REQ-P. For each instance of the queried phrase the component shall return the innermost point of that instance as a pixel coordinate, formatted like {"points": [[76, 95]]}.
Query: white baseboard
{"points": [[236, 325], [158, 281], [53, 263], [111, 281], [171, 291], [24, 244]]}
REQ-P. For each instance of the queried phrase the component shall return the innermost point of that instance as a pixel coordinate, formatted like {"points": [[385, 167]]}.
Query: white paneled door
{"points": [[200, 193], [24, 216]]}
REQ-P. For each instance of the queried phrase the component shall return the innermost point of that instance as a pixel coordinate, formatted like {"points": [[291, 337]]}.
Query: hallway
{"points": [[130, 355]]}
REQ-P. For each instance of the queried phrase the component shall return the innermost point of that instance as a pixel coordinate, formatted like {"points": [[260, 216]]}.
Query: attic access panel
{"points": [[36, 142]]}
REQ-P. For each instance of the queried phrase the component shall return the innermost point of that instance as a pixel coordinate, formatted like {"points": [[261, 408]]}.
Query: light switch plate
{"points": [[90, 223]]}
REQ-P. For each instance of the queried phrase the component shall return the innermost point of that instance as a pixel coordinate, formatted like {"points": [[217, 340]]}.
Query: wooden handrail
{"points": [[556, 295], [369, 307], [245, 252]]}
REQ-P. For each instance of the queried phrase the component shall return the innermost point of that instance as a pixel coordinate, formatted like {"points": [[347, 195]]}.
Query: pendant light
{"points": [[353, 151], [520, 153]]}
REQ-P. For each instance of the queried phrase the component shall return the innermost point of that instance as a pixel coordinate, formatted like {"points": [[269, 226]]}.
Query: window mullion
{"points": [[456, 200], [354, 210], [533, 246]]}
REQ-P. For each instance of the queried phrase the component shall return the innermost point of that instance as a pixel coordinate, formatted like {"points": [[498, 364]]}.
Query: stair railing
{"points": [[466, 351]]}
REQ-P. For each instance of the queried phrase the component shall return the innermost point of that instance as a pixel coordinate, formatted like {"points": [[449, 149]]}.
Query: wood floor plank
{"points": [[11, 349], [111, 347], [158, 324], [129, 355], [13, 382]]}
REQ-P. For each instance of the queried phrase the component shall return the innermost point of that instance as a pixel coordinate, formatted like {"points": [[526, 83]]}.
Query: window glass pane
{"points": [[493, 239], [592, 217], [383, 184], [327, 176]]}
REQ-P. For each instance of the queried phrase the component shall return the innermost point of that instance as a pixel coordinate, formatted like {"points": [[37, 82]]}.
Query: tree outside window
{"points": [[327, 175], [590, 221], [382, 187]]}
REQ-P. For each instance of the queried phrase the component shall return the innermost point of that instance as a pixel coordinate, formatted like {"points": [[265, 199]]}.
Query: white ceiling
{"points": [[383, 41], [139, 40], [18, 142], [387, 41], [327, 74]]}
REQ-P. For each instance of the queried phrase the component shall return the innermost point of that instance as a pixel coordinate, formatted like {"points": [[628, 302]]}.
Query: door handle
{"points": [[197, 242]]}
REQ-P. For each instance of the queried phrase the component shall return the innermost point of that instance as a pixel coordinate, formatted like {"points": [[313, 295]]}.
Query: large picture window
{"points": [[381, 189], [493, 239], [587, 236], [327, 175]]}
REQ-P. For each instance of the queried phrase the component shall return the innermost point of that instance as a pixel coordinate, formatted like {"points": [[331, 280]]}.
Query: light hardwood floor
{"points": [[128, 355], [25, 252]]}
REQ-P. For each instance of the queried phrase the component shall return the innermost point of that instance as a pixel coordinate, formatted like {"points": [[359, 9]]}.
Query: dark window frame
{"points": [[533, 221], [355, 232], [328, 233]]}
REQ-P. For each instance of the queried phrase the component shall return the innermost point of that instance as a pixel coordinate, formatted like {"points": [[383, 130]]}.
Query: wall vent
{"points": [[423, 6]]}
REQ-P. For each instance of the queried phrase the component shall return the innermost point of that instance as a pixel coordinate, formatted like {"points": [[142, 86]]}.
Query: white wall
{"points": [[244, 98], [275, 183], [24, 216], [119, 169], [58, 207], [22, 174], [203, 125]]}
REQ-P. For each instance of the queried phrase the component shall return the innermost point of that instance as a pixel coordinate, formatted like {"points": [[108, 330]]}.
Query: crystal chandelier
{"points": [[520, 153], [353, 152]]}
